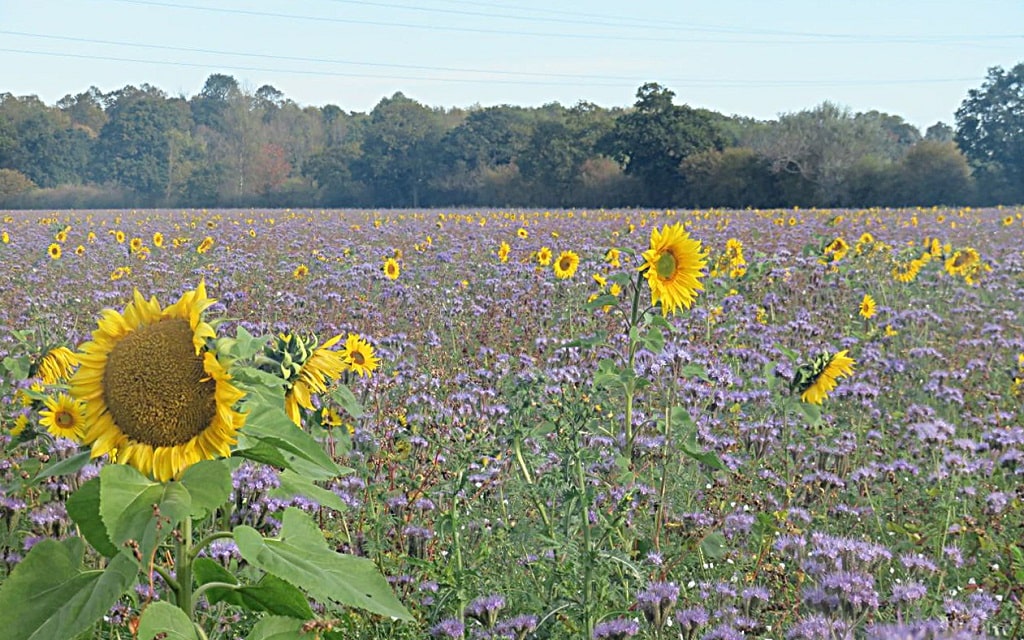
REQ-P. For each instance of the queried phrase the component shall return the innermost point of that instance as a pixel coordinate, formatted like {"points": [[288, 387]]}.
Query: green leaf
{"points": [[260, 451], [253, 380], [292, 484], [208, 484], [84, 508], [127, 500], [17, 366], [165, 618], [243, 346], [48, 595], [301, 557], [587, 342], [278, 628], [66, 466], [714, 545], [681, 418], [269, 424], [653, 340], [348, 401], [270, 594], [659, 321], [694, 370], [604, 300], [812, 413]]}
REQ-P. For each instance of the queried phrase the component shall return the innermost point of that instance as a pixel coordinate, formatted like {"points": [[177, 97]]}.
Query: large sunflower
{"points": [[815, 387], [63, 416], [156, 397], [673, 266]]}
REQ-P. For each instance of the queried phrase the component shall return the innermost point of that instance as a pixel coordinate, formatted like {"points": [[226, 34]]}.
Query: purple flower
{"points": [[449, 628], [486, 608], [657, 600], [617, 629]]}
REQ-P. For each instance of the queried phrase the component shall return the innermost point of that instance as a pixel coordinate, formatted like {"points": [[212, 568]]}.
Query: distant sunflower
{"points": [[119, 236], [816, 380], [544, 256], [80, 250], [205, 245], [673, 267], [56, 365], [391, 269], [158, 239], [963, 262], [156, 397], [612, 257], [566, 265], [359, 356], [135, 244], [300, 272], [63, 417], [54, 251], [503, 250], [523, 233], [867, 306]]}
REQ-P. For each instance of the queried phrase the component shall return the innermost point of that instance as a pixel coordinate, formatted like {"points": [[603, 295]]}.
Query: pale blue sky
{"points": [[757, 58]]}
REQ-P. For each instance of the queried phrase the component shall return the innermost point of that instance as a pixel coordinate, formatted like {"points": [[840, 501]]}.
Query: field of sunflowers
{"points": [[799, 424]]}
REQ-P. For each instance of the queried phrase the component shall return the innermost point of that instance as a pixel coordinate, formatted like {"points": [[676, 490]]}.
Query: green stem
{"points": [[212, 585], [183, 557], [205, 542], [634, 320], [517, 448], [588, 547]]}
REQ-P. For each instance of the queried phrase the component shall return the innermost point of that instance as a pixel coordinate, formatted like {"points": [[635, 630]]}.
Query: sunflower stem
{"points": [[183, 553], [634, 320], [205, 542]]}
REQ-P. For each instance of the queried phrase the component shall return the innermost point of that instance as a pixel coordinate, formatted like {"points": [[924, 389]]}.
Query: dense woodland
{"points": [[225, 146]]}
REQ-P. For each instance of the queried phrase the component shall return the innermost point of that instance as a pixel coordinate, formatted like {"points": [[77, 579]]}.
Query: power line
{"points": [[567, 80], [834, 38]]}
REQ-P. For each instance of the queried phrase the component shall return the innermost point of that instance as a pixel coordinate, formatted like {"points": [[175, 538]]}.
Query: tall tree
{"points": [[990, 131], [41, 142], [652, 141]]}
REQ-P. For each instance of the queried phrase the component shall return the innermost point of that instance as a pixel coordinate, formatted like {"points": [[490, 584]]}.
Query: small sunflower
{"points": [[158, 239], [867, 306], [566, 265], [523, 233], [135, 244], [54, 251], [306, 368], [613, 258], [816, 380], [300, 272], [155, 396], [119, 236], [673, 267], [63, 417], [359, 356], [391, 269], [56, 365], [80, 250], [544, 256], [205, 245], [503, 250]]}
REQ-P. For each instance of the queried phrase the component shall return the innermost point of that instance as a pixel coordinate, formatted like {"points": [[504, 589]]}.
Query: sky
{"points": [[756, 58]]}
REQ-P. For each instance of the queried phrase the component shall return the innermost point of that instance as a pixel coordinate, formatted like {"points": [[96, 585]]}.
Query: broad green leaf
{"points": [[301, 556], [84, 508], [714, 545], [208, 484], [127, 503], [48, 595], [598, 338], [243, 346], [659, 321], [17, 366], [270, 594], [681, 420], [694, 370], [165, 618], [268, 423], [66, 466], [259, 451], [348, 401], [278, 628], [653, 340], [710, 458], [257, 382], [812, 413], [600, 301], [292, 484]]}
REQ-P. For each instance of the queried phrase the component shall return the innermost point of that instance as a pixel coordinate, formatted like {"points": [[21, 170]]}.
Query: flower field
{"points": [[801, 424]]}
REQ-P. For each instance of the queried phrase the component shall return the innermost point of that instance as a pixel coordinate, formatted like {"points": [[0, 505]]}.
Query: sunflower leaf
{"points": [[269, 424], [66, 466], [270, 594], [84, 508], [167, 619], [209, 486], [129, 502], [277, 628], [293, 484], [48, 595], [301, 557], [348, 401]]}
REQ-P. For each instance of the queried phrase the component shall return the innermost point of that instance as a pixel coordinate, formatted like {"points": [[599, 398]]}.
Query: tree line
{"points": [[225, 146]]}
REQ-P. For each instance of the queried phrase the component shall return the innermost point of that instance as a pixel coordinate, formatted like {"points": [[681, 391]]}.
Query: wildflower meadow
{"points": [[480, 423]]}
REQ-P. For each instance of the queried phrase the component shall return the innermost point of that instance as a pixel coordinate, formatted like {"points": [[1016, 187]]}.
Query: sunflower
{"points": [[80, 250], [135, 244], [63, 417], [118, 236], [544, 256], [156, 397], [612, 258], [867, 306], [837, 250], [305, 367], [523, 233], [205, 245], [359, 356], [158, 239], [503, 251], [300, 272], [815, 381], [56, 366], [963, 262], [566, 264], [673, 267], [54, 251]]}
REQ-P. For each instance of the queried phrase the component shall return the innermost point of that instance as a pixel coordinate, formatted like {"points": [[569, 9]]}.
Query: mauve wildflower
{"points": [[617, 629], [657, 601], [820, 627], [909, 592], [724, 632], [449, 628], [917, 561], [223, 551], [691, 619], [954, 555], [737, 524], [918, 630], [517, 627], [486, 608]]}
